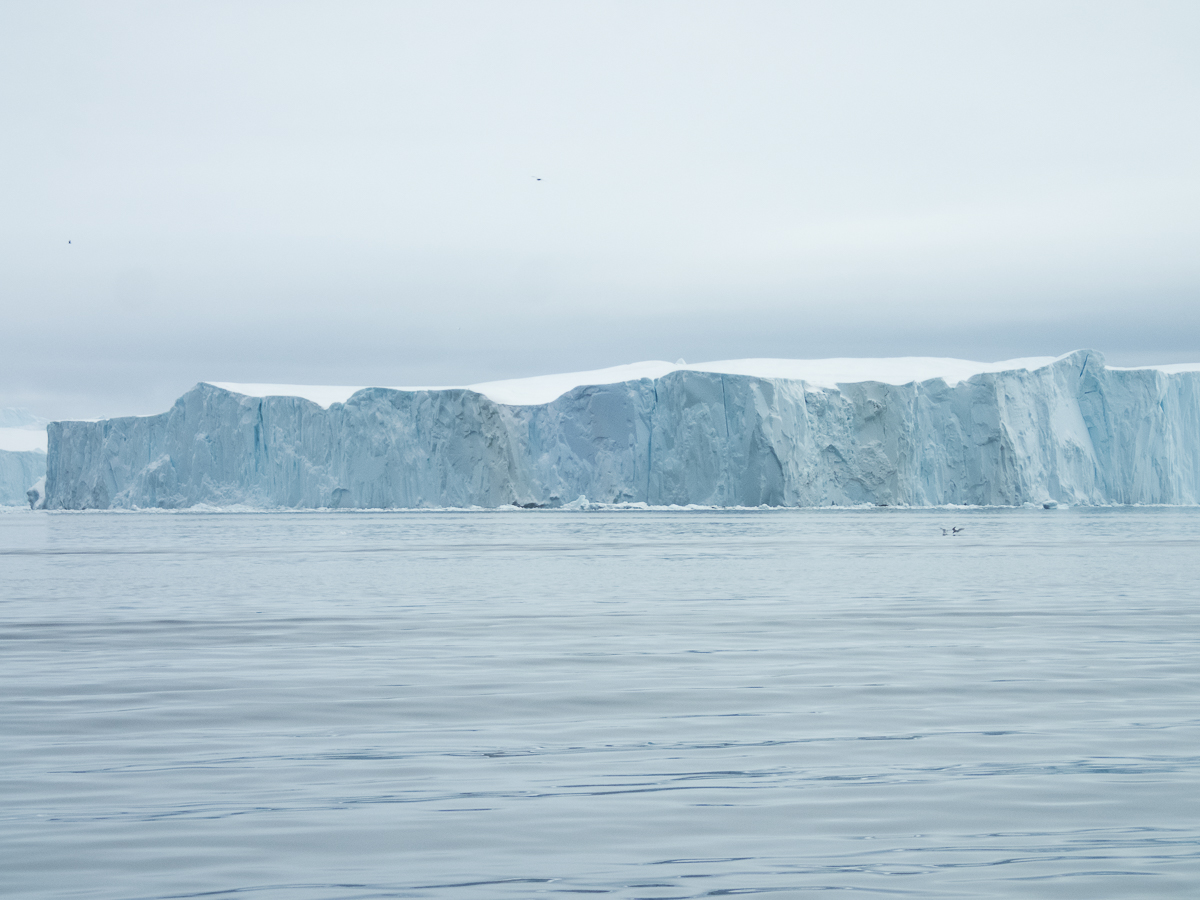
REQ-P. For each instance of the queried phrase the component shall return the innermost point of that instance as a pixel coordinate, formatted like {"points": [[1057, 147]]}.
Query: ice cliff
{"points": [[735, 434], [22, 454]]}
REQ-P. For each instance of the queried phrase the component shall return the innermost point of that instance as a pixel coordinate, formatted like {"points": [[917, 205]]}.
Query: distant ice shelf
{"points": [[912, 431], [22, 455], [23, 440]]}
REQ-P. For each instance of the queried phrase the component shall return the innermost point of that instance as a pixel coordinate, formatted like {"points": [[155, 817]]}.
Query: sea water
{"points": [[639, 704]]}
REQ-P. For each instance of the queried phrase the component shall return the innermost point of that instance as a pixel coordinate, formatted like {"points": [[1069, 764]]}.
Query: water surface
{"points": [[632, 704]]}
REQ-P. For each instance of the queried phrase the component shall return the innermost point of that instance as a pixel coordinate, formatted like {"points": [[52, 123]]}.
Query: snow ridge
{"points": [[817, 373]]}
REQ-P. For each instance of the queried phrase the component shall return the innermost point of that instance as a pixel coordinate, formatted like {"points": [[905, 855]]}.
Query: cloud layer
{"points": [[433, 193]]}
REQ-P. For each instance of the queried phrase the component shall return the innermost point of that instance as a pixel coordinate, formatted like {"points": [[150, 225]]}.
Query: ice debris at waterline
{"points": [[744, 433], [22, 454]]}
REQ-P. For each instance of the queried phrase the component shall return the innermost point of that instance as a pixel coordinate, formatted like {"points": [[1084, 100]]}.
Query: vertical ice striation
{"points": [[1072, 431]]}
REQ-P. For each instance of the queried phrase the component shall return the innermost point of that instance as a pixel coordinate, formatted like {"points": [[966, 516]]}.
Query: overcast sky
{"points": [[439, 192]]}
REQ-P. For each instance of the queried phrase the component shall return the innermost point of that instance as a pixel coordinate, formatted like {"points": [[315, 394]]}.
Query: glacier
{"points": [[22, 454], [906, 432]]}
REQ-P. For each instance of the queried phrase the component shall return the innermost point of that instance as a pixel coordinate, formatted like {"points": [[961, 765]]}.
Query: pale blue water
{"points": [[631, 704]]}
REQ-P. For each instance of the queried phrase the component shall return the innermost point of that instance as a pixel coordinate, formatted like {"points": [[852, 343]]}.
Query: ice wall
{"points": [[1072, 431], [19, 470], [22, 454]]}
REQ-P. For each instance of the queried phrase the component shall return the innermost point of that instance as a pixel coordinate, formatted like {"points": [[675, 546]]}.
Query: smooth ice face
{"points": [[909, 431]]}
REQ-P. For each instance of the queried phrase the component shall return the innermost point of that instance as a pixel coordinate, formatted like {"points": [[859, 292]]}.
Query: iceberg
{"points": [[22, 454], [905, 432]]}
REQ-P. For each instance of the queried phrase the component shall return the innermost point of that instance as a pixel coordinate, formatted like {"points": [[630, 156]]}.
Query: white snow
{"points": [[830, 373], [21, 439], [1170, 369], [547, 388], [322, 394], [822, 373]]}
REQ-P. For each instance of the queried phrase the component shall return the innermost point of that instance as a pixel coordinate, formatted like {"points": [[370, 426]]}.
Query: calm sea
{"points": [[633, 704]]}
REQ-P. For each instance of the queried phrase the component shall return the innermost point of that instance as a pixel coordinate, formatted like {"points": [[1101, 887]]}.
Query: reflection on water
{"points": [[637, 704]]}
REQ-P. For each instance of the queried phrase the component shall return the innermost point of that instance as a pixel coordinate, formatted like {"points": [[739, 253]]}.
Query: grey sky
{"points": [[347, 193]]}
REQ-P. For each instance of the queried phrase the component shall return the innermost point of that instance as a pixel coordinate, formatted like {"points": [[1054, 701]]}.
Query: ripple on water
{"points": [[660, 704]]}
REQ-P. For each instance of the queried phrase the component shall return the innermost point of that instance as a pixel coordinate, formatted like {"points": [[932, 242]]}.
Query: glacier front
{"points": [[914, 432], [22, 455]]}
